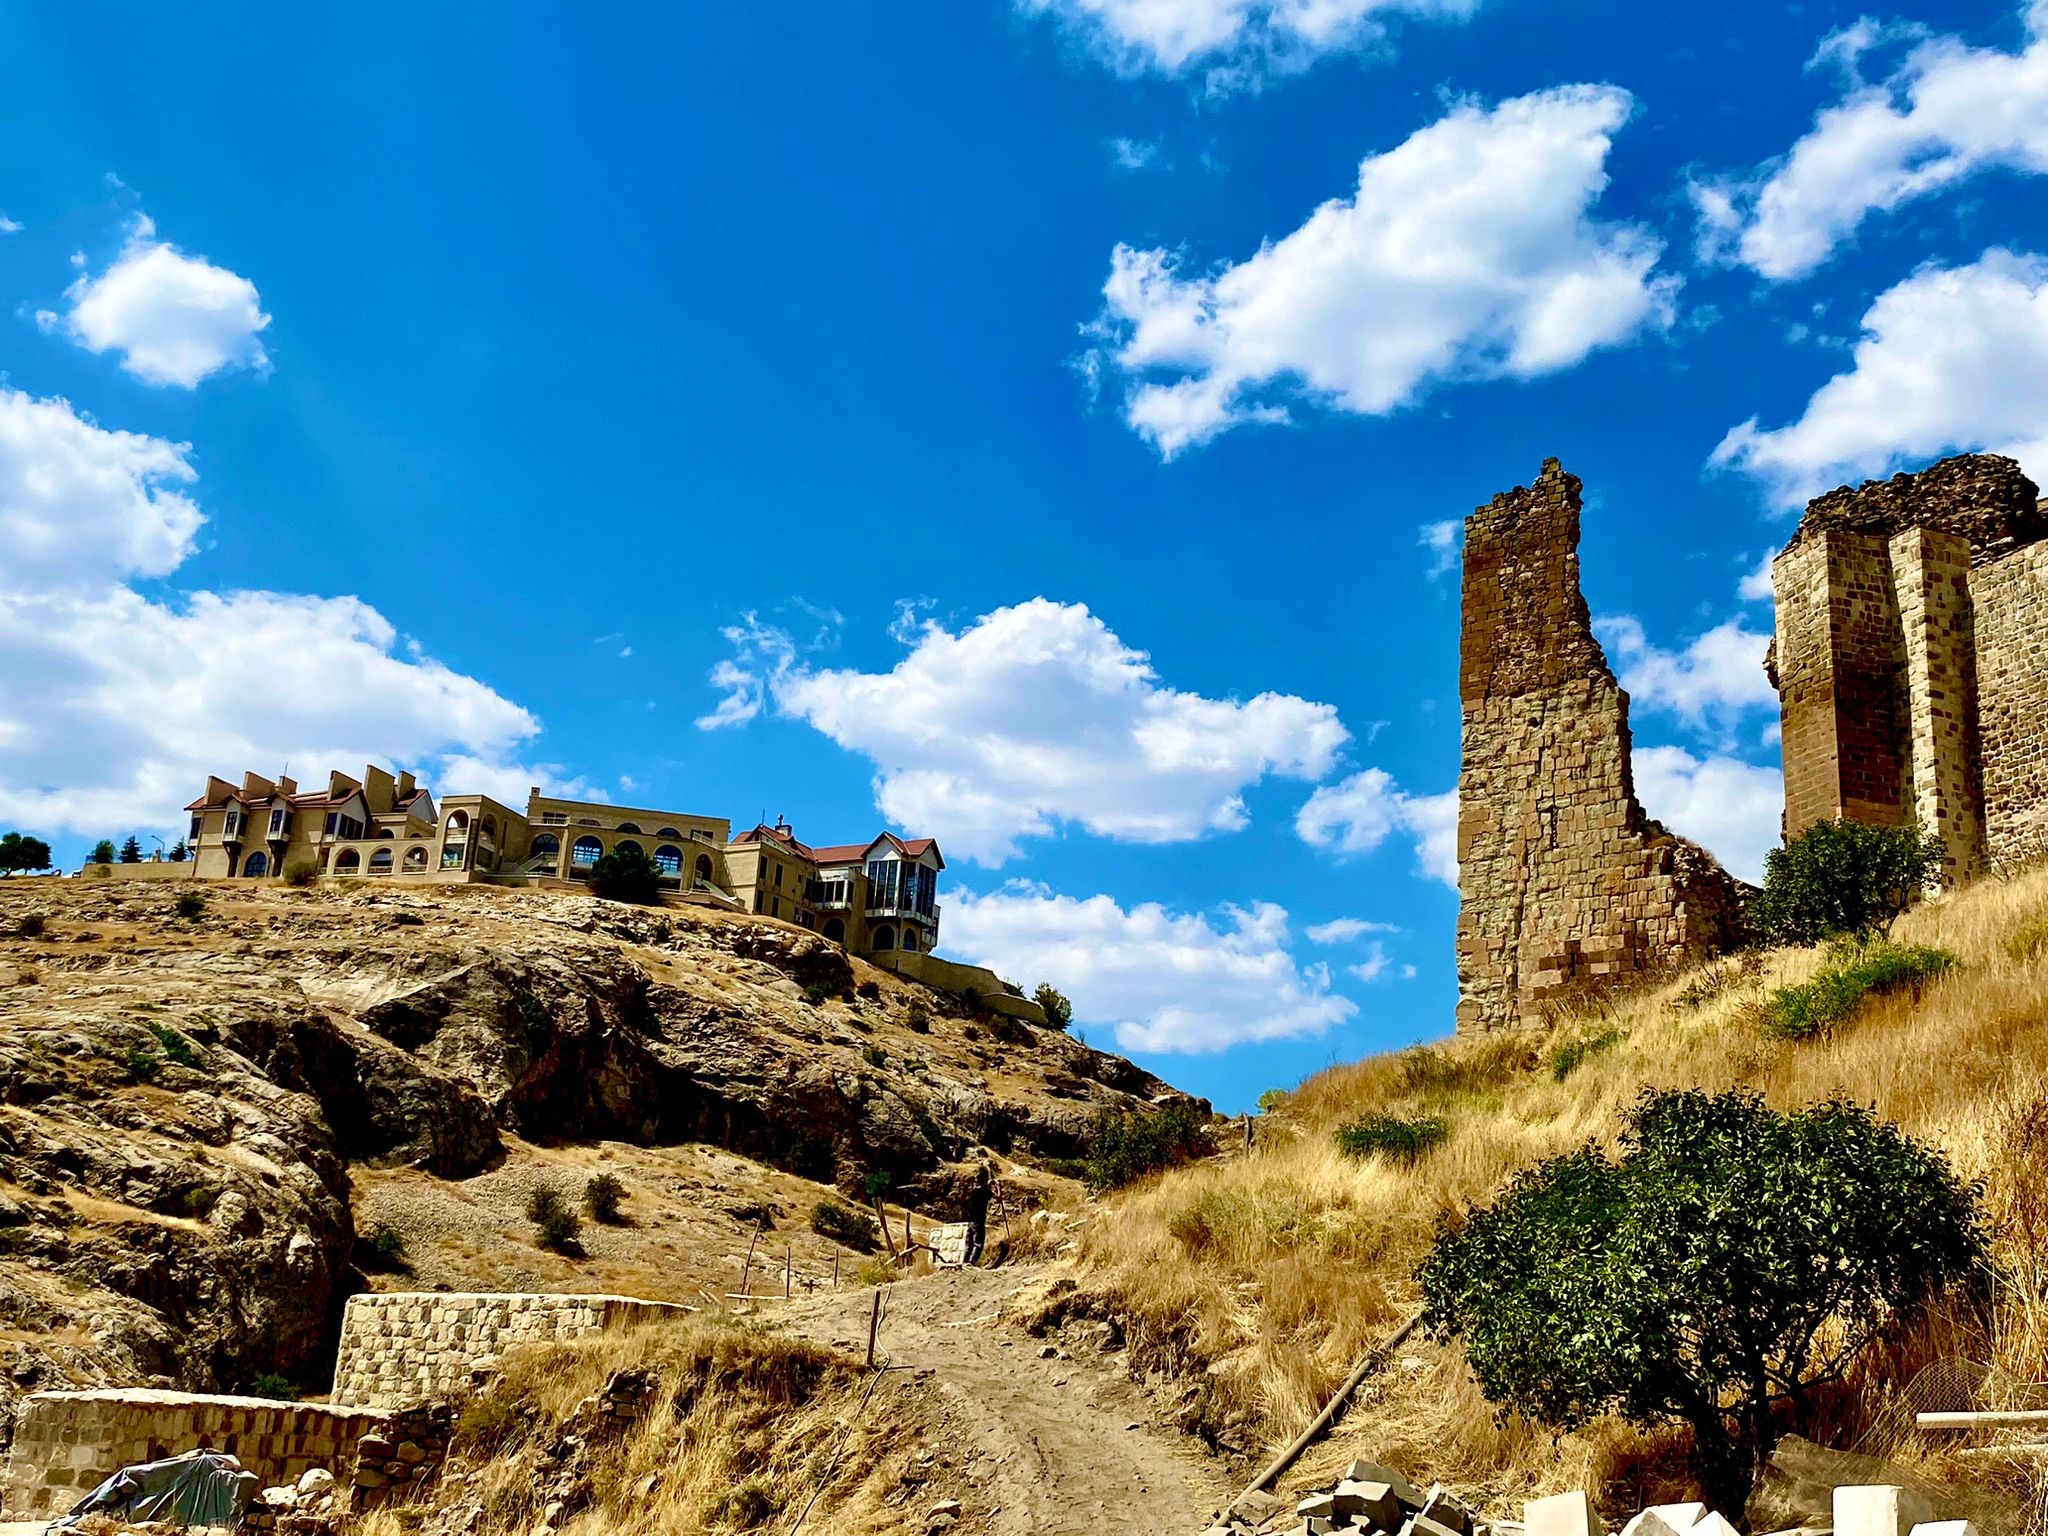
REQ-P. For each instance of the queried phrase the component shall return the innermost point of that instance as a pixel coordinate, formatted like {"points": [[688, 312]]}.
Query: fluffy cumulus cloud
{"points": [[1946, 113], [1950, 358], [1234, 44], [1357, 814], [114, 706], [173, 318], [1162, 980], [1467, 252], [1029, 718], [1712, 684], [1729, 807]]}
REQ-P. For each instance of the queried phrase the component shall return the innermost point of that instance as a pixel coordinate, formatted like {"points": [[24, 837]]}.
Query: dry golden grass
{"points": [[1271, 1271], [743, 1428]]}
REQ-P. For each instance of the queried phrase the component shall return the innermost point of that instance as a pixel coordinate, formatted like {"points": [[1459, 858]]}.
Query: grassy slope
{"points": [[1263, 1276]]}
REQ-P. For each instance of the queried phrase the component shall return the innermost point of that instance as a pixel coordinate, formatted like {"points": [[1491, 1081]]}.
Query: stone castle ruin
{"points": [[1566, 886], [1911, 660]]}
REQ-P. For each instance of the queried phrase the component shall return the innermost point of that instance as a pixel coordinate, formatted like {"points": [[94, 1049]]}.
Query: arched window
{"points": [[585, 853], [704, 867], [588, 821], [348, 862], [415, 857], [626, 826], [257, 867], [546, 845], [380, 862], [627, 845], [670, 859], [668, 832], [490, 825], [835, 929], [910, 939], [884, 938], [386, 832], [458, 821]]}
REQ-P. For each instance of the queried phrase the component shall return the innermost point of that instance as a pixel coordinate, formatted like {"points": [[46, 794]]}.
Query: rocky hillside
{"points": [[191, 1099]]}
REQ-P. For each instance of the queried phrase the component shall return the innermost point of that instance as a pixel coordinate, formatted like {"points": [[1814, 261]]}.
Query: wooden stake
{"points": [[835, 1271], [749, 1263], [874, 1323], [786, 1260]]}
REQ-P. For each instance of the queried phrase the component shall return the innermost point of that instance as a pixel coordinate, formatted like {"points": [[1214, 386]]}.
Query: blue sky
{"points": [[1039, 425]]}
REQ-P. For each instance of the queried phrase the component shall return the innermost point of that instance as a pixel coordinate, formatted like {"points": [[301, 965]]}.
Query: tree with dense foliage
{"points": [[20, 853], [1730, 1260], [1131, 1143], [102, 852], [1059, 1013], [131, 850], [1842, 877], [179, 852], [626, 874]]}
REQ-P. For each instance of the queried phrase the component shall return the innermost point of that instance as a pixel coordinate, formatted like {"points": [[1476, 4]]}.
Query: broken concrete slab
{"points": [[1666, 1520], [1879, 1509], [1562, 1514], [1362, 1471], [1373, 1503]]}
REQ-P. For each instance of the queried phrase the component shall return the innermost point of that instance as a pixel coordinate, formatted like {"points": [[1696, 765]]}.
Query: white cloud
{"points": [[82, 506], [1357, 814], [1709, 685], [114, 706], [1442, 540], [1133, 154], [1729, 807], [1165, 981], [1235, 44], [1948, 112], [1376, 965], [1342, 930], [1031, 717], [1950, 358], [1756, 582], [1468, 252], [9, 226], [174, 318]]}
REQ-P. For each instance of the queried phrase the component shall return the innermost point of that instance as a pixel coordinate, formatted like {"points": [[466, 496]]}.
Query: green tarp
{"points": [[197, 1488]]}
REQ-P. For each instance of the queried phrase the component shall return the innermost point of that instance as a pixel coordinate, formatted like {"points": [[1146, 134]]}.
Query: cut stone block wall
{"points": [[68, 1443], [1908, 659], [1565, 885], [402, 1347]]}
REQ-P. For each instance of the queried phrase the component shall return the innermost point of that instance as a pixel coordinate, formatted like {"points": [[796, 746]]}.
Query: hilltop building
{"points": [[878, 897], [1911, 660]]}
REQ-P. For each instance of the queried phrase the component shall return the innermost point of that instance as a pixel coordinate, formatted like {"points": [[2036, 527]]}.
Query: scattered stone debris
{"points": [[392, 1461]]}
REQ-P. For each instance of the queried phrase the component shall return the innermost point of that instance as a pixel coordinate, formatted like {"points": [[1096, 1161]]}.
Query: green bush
{"points": [[270, 1384], [176, 1047], [190, 904], [875, 1056], [1059, 1013], [843, 1224], [867, 991], [387, 1243], [1730, 1260], [301, 873], [1842, 877], [627, 874], [917, 1018], [1572, 1055], [555, 1222], [1390, 1137], [1853, 973], [816, 993], [144, 1064], [1129, 1144], [601, 1197]]}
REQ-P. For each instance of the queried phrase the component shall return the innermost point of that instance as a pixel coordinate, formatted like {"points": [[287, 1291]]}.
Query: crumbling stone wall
{"points": [[67, 1443], [1565, 885], [1908, 659], [405, 1346]]}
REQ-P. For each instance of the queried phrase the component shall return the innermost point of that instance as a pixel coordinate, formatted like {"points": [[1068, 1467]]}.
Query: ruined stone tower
{"points": [[1911, 660], [1565, 885]]}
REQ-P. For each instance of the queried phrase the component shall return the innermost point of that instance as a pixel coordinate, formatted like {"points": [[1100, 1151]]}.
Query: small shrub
{"points": [[489, 1422], [1572, 1055], [176, 1047], [843, 1224], [1390, 1137], [746, 1505], [1854, 972], [601, 1197], [535, 1018], [918, 1018], [30, 927], [99, 871], [1067, 1167], [1842, 878], [971, 996], [875, 1271], [1271, 1100], [816, 993], [1059, 1013], [300, 873], [190, 904], [2029, 942], [144, 1064], [875, 1056], [867, 991], [386, 1247], [627, 874], [555, 1222], [270, 1384], [1130, 1144]]}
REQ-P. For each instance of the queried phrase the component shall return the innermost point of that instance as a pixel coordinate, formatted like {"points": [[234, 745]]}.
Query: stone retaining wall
{"points": [[68, 1443], [401, 1347]]}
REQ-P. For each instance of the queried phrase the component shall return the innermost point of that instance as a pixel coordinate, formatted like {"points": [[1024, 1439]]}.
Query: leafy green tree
{"points": [[20, 852], [179, 852], [1730, 1259], [102, 852], [626, 874], [1842, 877], [1059, 1013], [1130, 1144], [131, 850]]}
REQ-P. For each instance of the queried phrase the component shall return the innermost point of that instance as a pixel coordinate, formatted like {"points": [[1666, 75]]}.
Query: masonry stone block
{"points": [[1562, 1514], [1878, 1509]]}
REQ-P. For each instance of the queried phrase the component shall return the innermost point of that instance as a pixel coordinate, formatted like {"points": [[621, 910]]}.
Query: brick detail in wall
{"points": [[1566, 886], [402, 1347], [1909, 660]]}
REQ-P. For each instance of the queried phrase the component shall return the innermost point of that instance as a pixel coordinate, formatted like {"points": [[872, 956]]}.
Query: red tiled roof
{"points": [[849, 853]]}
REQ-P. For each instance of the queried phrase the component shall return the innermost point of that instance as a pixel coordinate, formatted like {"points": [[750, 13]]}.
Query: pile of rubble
{"points": [[1374, 1500], [305, 1508], [409, 1452]]}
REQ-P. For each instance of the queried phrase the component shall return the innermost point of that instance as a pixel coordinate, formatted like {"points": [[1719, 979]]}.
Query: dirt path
{"points": [[1060, 1446]]}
